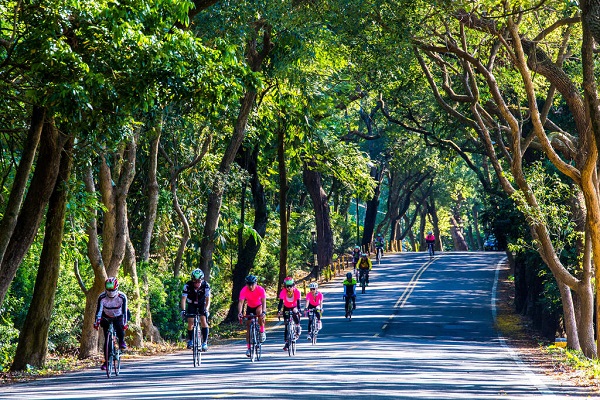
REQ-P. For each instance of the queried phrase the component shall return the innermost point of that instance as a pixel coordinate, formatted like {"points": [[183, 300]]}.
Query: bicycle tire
{"points": [[349, 309], [108, 349], [290, 335], [293, 347], [258, 347], [363, 282], [379, 251], [253, 341], [196, 343], [117, 361]]}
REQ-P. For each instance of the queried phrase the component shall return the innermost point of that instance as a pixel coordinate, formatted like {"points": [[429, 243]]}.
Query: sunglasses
{"points": [[289, 286], [251, 284], [313, 289], [111, 290]]}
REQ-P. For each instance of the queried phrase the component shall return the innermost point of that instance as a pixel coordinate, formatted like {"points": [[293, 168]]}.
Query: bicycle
{"points": [[378, 255], [254, 337], [197, 341], [430, 250], [349, 307], [112, 352], [291, 334], [362, 278], [313, 330]]}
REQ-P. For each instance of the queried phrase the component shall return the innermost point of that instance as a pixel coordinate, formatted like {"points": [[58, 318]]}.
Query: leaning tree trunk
{"points": [[33, 339], [17, 192], [255, 59], [371, 211], [283, 214], [312, 180], [38, 195]]}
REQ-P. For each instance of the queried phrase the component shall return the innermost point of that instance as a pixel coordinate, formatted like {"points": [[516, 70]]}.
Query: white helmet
{"points": [[313, 285]]}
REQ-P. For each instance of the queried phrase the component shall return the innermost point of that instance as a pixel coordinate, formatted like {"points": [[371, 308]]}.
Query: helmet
{"points": [[430, 233], [313, 285], [111, 285], [288, 281], [197, 274], [363, 254], [251, 279], [357, 247], [379, 235], [349, 275]]}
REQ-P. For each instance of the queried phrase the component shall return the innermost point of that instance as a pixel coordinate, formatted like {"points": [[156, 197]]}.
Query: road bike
{"points": [[313, 329], [362, 279], [291, 333], [254, 337], [112, 351], [348, 307], [430, 250], [197, 341], [378, 255]]}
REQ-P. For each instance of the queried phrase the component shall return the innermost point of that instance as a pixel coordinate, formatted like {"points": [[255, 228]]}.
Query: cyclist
{"points": [[255, 298], [350, 290], [364, 266], [355, 255], [379, 243], [112, 307], [196, 294], [289, 300], [314, 300], [430, 240]]}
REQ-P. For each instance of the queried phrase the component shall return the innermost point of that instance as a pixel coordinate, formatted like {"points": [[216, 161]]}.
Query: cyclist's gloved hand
{"points": [[264, 314], [206, 313], [125, 327], [240, 317], [97, 324], [183, 314]]}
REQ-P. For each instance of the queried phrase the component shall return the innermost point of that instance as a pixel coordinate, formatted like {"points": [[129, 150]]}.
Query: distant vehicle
{"points": [[491, 243]]}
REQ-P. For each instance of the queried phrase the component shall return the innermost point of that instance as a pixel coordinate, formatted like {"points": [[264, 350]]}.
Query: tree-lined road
{"points": [[423, 330]]}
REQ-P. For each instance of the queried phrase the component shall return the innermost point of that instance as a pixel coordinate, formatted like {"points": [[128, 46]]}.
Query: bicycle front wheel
{"points": [[253, 343], [117, 361], [258, 345], [196, 346], [108, 353]]}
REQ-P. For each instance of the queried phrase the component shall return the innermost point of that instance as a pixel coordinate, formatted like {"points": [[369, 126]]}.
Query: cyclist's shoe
{"points": [[190, 343], [298, 331], [204, 347], [308, 337], [346, 315], [248, 353], [123, 345], [263, 337], [319, 325], [286, 346], [353, 307], [103, 367]]}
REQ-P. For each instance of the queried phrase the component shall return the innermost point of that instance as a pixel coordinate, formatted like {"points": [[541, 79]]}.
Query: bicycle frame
{"points": [[312, 322], [291, 333], [196, 341]]}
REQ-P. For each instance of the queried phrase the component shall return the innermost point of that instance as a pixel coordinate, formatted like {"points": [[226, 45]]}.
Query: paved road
{"points": [[423, 330]]}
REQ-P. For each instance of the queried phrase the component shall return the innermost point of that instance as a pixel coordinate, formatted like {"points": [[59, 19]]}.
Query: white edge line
{"points": [[535, 380]]}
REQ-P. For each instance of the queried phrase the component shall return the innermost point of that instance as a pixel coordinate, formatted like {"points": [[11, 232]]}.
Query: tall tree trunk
{"points": [[152, 194], [283, 215], [33, 339], [255, 59], [17, 192], [372, 208], [312, 180], [248, 251], [38, 195]]}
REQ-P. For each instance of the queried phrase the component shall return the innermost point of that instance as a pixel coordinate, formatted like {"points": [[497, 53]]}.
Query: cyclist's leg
{"points": [[118, 323], [104, 325]]}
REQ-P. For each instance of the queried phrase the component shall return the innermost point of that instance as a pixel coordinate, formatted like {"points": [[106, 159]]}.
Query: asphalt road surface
{"points": [[423, 330]]}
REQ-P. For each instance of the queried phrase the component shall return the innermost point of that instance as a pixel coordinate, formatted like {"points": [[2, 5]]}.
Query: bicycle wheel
{"points": [[290, 336], [363, 282], [196, 345], [349, 309], [258, 346], [117, 360], [108, 353], [378, 256], [253, 342]]}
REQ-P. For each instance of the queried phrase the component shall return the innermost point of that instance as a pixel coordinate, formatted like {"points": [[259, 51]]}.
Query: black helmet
{"points": [[349, 275], [251, 279]]}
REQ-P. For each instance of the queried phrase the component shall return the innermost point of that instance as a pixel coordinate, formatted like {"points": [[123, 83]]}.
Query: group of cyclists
{"points": [[195, 299]]}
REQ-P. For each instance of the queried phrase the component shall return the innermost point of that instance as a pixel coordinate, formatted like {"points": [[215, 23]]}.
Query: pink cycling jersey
{"points": [[314, 299], [290, 301], [253, 297]]}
